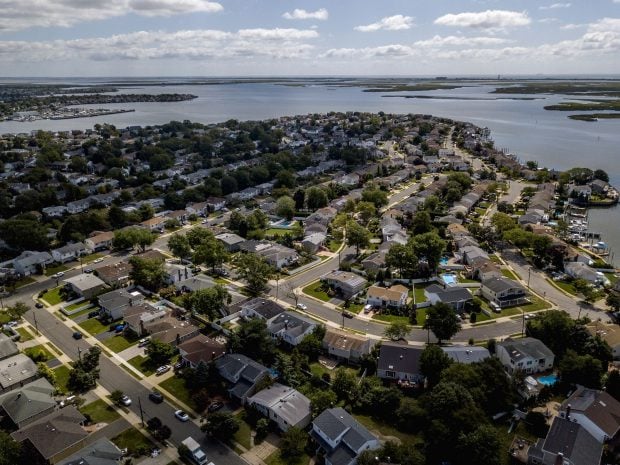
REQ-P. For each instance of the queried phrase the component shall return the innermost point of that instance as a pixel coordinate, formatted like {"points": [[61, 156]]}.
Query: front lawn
{"points": [[244, 434], [509, 274], [77, 305], [316, 290], [333, 245], [132, 440], [50, 270], [86, 311], [394, 318], [536, 305], [52, 297], [24, 281], [100, 412], [91, 257], [24, 335], [120, 342], [40, 353], [142, 364], [62, 377], [566, 287], [176, 386], [276, 459], [94, 326]]}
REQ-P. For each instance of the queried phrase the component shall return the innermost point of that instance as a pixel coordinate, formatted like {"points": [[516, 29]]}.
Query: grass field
{"points": [[49, 271], [277, 232], [394, 318], [244, 434], [93, 326], [119, 343], [77, 305], [24, 281], [52, 297], [62, 377], [333, 245], [277, 459], [315, 291], [90, 258], [132, 440], [39, 349], [100, 412], [177, 387], [509, 274], [142, 364], [382, 428], [24, 335], [566, 287]]}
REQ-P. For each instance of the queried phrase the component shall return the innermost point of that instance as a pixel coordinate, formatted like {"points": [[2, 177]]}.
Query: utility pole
{"points": [[36, 325], [141, 411], [79, 353], [529, 272]]}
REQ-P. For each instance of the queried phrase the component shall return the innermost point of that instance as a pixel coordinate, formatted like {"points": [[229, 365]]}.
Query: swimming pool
{"points": [[548, 380], [449, 279], [443, 261]]}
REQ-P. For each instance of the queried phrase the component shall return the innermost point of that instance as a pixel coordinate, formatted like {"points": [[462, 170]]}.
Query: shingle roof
{"points": [[101, 452], [527, 346], [468, 354], [16, 369], [286, 402], [7, 346], [573, 441], [28, 401], [266, 308], [398, 357], [600, 408], [343, 340], [450, 294], [501, 284]]}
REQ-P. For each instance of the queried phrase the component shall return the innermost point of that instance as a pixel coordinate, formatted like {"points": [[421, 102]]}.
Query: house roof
{"points": [[195, 283], [402, 358], [116, 299], [573, 441], [28, 401], [291, 324], [469, 354], [233, 365], [29, 258], [345, 277], [101, 452], [598, 406], [394, 293], [288, 403], [609, 333], [7, 346], [102, 237], [525, 347], [230, 238], [343, 340], [201, 349], [266, 308], [69, 248], [501, 284], [16, 369], [449, 294], [114, 272], [85, 282], [55, 432], [169, 329]]}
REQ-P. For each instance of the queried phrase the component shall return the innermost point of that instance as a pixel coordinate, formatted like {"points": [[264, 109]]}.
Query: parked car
{"points": [[77, 335], [347, 314], [98, 260], [162, 369], [302, 306], [181, 415], [143, 342], [39, 305], [120, 328], [367, 308], [215, 406], [178, 365], [93, 314], [88, 270], [156, 397], [60, 274], [125, 400]]}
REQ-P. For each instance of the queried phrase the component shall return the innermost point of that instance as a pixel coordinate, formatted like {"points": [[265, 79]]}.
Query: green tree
{"points": [[159, 352], [316, 198], [17, 310], [344, 385], [209, 301], [397, 330], [133, 237], [429, 247], [366, 211], [221, 425], [116, 396], [147, 272], [252, 339], [581, 369], [403, 259], [441, 319], [117, 217], [211, 252], [376, 196], [612, 384], [421, 223], [357, 236], [285, 207], [293, 442], [503, 222], [433, 362], [10, 450], [613, 301], [197, 236], [480, 447], [179, 246], [255, 271], [321, 399], [22, 234]]}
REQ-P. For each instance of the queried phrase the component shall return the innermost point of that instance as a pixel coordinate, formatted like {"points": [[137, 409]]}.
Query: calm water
{"points": [[521, 126]]}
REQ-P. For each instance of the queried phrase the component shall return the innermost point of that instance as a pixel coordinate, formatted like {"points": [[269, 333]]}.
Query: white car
{"points": [[302, 306], [98, 260], [143, 342], [126, 401], [60, 274], [367, 308], [181, 415], [162, 369]]}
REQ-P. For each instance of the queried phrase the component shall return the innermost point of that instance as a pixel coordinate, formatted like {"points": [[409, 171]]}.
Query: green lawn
{"points": [[52, 297], [39, 349], [62, 376], [333, 245], [566, 287], [24, 335], [142, 364], [536, 305], [76, 306], [132, 440], [277, 232], [119, 343], [177, 387], [315, 290], [613, 279], [93, 326], [244, 435], [277, 459], [83, 312], [509, 274], [100, 412], [91, 257], [24, 281], [419, 293], [393, 318], [383, 428], [50, 270]]}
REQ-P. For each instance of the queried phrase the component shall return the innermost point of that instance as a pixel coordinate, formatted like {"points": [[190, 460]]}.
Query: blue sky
{"points": [[278, 37]]}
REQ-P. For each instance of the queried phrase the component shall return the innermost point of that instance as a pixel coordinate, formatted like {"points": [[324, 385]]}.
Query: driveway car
{"points": [[39, 305], [215, 406], [181, 415], [162, 369]]}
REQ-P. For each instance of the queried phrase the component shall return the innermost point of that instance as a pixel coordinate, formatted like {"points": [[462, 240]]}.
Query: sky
{"points": [[308, 37]]}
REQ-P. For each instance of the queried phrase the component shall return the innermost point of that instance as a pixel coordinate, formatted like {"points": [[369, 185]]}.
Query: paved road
{"points": [[113, 377]]}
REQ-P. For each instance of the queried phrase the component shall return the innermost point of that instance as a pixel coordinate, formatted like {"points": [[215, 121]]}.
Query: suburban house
{"points": [[346, 346], [579, 270], [69, 252], [16, 371], [609, 333], [341, 437], [345, 283], [215, 203], [313, 242], [283, 405], [231, 241], [195, 283], [28, 403], [528, 355], [176, 272], [374, 262], [200, 349], [85, 285], [290, 327], [566, 443], [264, 309], [31, 262], [198, 208], [242, 373], [8, 348], [100, 241], [391, 297], [101, 452], [466, 354], [503, 292], [116, 275], [154, 224], [596, 411], [276, 255], [456, 297], [115, 302], [138, 315], [55, 436], [400, 362]]}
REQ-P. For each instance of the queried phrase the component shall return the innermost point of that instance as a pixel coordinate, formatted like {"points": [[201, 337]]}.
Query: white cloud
{"points": [[389, 23], [321, 14], [491, 20], [548, 20], [22, 14], [384, 51], [457, 41], [185, 44], [572, 26], [555, 6]]}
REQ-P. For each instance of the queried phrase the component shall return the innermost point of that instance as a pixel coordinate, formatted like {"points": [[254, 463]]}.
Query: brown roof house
{"points": [[200, 349], [346, 346], [596, 411], [55, 436], [116, 275]]}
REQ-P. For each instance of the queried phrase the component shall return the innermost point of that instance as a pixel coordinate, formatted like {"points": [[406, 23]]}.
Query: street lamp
{"points": [[529, 273]]}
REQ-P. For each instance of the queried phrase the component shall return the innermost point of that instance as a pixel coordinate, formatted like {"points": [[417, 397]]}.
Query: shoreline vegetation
{"points": [[441, 97], [592, 117]]}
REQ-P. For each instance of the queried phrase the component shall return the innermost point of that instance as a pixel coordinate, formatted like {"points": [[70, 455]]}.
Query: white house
{"points": [[528, 355], [346, 346], [392, 297], [100, 241], [28, 262], [290, 328], [69, 252], [283, 405], [596, 411], [503, 292]]}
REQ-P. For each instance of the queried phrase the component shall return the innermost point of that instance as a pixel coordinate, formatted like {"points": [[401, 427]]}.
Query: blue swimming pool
{"points": [[449, 279], [443, 261], [548, 380]]}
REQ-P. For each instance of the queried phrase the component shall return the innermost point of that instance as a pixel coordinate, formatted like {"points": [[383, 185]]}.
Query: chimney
{"points": [[559, 459], [568, 407]]}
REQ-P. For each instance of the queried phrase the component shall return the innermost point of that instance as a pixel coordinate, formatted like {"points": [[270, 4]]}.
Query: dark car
{"points": [[39, 305], [93, 314], [156, 397], [215, 406], [77, 335], [347, 314]]}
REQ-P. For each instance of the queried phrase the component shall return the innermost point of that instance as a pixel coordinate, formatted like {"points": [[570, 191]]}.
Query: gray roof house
{"points": [[284, 405], [115, 302], [527, 354], [579, 270], [566, 443], [8, 348], [290, 327], [346, 346], [466, 354], [16, 371], [258, 307], [69, 252], [101, 452], [27, 263], [231, 241], [85, 285], [596, 411], [346, 283], [400, 362], [342, 437], [29, 403], [242, 373], [455, 296], [504, 292]]}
